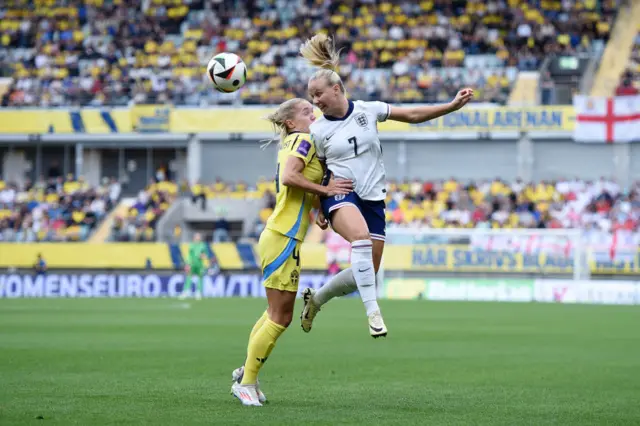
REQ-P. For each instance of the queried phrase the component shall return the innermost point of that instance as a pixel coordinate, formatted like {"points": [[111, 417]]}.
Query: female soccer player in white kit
{"points": [[346, 140]]}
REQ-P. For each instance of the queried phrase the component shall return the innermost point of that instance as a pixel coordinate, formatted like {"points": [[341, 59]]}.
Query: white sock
{"points": [[364, 274], [340, 284]]}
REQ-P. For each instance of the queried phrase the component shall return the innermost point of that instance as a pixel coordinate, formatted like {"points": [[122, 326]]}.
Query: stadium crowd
{"points": [[630, 80], [600, 204], [113, 52], [139, 221], [54, 209], [68, 209], [566, 203]]}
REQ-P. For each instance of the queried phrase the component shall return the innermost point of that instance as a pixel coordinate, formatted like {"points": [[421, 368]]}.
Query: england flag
{"points": [[607, 120]]}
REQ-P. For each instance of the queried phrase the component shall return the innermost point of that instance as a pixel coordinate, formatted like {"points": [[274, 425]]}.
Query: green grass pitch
{"points": [[157, 362]]}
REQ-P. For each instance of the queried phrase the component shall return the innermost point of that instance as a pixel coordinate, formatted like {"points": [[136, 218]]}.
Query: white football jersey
{"points": [[351, 148]]}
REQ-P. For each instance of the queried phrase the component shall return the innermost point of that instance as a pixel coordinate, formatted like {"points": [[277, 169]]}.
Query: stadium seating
{"points": [[563, 204], [139, 224], [60, 209], [598, 205], [618, 52], [630, 80], [68, 210], [237, 190], [114, 53]]}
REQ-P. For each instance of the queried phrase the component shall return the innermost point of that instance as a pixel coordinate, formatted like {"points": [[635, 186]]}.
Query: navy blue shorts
{"points": [[372, 211]]}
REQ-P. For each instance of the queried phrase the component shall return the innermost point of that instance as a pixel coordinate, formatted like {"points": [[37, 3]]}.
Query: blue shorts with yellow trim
{"points": [[280, 260]]}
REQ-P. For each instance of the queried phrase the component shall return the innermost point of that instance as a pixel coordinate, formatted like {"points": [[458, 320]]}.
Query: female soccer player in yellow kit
{"points": [[298, 183]]}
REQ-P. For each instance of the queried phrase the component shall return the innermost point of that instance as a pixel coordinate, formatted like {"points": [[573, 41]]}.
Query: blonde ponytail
{"points": [[286, 111], [320, 51]]}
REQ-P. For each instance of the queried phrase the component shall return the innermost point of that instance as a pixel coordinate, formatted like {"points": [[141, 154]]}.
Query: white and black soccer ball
{"points": [[227, 72]]}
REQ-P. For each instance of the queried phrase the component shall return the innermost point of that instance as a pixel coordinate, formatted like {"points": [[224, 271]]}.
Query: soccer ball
{"points": [[227, 72]]}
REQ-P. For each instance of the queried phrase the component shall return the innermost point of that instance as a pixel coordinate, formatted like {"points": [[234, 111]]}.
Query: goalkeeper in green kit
{"points": [[195, 266]]}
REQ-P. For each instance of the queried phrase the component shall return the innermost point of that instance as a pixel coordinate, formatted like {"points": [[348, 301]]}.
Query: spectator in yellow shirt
{"points": [[198, 193]]}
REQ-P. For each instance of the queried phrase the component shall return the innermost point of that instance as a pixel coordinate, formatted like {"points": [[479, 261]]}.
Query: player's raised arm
{"points": [[420, 114], [292, 176]]}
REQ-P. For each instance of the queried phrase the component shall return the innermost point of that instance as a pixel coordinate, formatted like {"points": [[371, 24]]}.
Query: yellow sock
{"points": [[258, 325], [260, 346]]}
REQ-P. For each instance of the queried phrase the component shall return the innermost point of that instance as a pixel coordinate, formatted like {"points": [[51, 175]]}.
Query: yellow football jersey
{"points": [[291, 214]]}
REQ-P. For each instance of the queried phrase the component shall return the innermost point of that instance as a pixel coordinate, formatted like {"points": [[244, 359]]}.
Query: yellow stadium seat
{"points": [[70, 187], [78, 216], [450, 186], [437, 223]]}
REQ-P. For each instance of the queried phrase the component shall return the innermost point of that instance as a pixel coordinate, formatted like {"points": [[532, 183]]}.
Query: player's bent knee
{"points": [[350, 225], [362, 236], [286, 319], [282, 314], [359, 235], [281, 305], [282, 318]]}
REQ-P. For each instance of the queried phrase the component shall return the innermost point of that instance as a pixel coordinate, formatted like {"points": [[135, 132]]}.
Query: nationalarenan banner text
{"points": [[135, 285], [607, 120]]}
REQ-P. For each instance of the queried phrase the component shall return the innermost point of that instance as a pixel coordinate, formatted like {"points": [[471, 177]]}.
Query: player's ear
{"points": [[289, 124]]}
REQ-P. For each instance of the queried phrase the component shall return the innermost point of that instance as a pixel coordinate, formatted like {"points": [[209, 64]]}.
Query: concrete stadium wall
{"points": [[463, 159]]}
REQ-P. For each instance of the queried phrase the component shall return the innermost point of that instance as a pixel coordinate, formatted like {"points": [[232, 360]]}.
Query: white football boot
{"points": [[183, 295], [247, 394], [198, 296], [376, 325], [237, 374], [309, 310]]}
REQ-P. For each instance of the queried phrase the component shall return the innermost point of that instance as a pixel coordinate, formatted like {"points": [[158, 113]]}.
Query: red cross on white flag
{"points": [[607, 119]]}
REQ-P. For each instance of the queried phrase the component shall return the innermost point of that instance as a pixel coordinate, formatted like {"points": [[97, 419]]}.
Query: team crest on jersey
{"points": [[361, 119], [339, 197], [295, 278]]}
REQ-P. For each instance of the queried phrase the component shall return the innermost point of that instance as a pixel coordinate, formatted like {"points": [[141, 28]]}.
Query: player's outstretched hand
{"points": [[187, 268], [463, 97], [322, 221], [339, 187]]}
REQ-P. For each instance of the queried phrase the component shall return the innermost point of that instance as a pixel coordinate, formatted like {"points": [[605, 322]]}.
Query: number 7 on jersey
{"points": [[354, 141]]}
